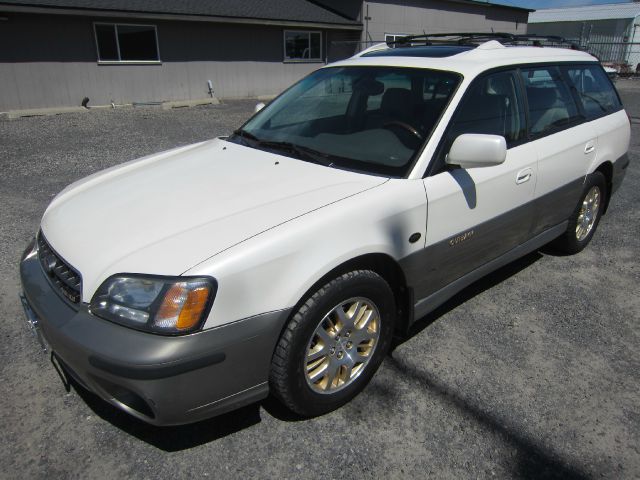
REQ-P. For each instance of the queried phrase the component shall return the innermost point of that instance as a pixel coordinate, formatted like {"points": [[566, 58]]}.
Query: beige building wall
{"points": [[433, 16]]}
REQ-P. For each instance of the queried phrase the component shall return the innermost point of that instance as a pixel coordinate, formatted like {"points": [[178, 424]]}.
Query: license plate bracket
{"points": [[33, 324]]}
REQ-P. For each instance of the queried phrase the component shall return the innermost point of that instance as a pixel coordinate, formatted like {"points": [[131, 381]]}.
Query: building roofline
{"points": [[490, 3], [12, 8]]}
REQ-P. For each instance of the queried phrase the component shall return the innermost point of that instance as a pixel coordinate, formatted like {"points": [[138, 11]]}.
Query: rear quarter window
{"points": [[594, 90]]}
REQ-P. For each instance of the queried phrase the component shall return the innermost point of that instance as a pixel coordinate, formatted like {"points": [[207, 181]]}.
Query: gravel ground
{"points": [[530, 373]]}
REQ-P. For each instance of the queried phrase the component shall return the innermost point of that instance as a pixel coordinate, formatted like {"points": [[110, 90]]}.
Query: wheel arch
{"points": [[606, 168], [385, 266]]}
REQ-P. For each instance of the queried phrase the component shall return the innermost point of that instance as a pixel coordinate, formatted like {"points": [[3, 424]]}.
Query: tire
{"points": [[584, 220], [319, 342]]}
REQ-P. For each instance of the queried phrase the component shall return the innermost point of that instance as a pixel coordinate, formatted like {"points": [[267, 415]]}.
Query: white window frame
{"points": [[395, 36], [301, 60], [120, 62]]}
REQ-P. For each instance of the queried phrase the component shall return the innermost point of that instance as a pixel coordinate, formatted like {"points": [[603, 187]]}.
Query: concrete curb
{"points": [[38, 112], [190, 103]]}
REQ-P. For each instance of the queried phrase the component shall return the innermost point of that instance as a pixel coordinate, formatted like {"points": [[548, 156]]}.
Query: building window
{"points": [[302, 45], [394, 37], [126, 43]]}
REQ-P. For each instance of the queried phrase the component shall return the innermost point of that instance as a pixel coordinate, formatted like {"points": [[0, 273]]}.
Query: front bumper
{"points": [[161, 380]]}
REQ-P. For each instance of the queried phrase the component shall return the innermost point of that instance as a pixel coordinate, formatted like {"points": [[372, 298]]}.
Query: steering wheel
{"points": [[405, 126]]}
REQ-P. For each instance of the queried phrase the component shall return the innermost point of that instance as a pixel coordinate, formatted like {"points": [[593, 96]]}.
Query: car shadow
{"points": [[172, 438], [531, 460]]}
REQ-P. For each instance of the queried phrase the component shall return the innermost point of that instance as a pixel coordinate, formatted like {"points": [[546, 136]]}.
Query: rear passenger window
{"points": [[594, 90], [491, 106], [551, 105]]}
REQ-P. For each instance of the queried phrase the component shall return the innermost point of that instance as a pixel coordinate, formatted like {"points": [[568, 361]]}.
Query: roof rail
{"points": [[476, 38]]}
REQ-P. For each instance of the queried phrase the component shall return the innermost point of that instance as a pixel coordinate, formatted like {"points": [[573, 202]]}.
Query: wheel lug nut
{"points": [[332, 351], [340, 355], [348, 334], [349, 344]]}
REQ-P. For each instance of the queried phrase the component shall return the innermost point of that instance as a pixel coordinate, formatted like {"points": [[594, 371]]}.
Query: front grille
{"points": [[62, 275]]}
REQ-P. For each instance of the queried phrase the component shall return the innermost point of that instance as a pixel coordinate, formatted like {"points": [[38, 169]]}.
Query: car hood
{"points": [[165, 213]]}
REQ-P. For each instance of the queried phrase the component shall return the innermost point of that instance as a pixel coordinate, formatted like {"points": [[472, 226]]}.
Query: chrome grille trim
{"points": [[63, 276]]}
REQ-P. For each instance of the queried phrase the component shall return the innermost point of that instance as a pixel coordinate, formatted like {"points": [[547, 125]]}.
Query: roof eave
{"points": [[7, 8], [496, 5]]}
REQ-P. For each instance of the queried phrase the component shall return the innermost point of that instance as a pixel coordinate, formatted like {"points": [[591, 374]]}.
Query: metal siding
{"points": [[53, 62], [586, 13], [432, 16], [607, 39]]}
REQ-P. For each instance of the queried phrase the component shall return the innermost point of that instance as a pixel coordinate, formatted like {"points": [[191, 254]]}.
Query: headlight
{"points": [[168, 305]]}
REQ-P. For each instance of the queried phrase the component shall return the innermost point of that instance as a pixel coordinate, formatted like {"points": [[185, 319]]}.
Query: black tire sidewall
{"points": [[357, 284], [573, 245]]}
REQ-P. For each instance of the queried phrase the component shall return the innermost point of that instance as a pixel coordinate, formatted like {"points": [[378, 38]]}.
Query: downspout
{"points": [[366, 23]]}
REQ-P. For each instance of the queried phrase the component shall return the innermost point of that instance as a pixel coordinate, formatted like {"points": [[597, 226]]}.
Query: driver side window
{"points": [[493, 107]]}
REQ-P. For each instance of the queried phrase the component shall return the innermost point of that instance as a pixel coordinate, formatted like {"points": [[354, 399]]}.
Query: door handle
{"points": [[524, 176], [589, 147]]}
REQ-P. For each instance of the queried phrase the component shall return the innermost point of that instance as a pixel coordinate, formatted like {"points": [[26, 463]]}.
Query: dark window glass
{"points": [[137, 43], [302, 45], [314, 39], [551, 105], [126, 43], [594, 89], [493, 107], [392, 37], [107, 45]]}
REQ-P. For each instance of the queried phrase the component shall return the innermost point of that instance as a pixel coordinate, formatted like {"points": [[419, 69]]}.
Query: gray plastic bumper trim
{"points": [[182, 379]]}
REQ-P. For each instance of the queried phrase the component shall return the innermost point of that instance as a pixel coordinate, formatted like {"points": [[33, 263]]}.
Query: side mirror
{"points": [[258, 107], [472, 150]]}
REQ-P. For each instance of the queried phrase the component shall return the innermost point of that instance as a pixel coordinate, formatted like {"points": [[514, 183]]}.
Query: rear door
{"points": [[477, 214], [565, 145]]}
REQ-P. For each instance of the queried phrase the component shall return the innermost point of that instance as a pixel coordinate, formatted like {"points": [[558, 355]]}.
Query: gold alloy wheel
{"points": [[588, 213], [342, 345]]}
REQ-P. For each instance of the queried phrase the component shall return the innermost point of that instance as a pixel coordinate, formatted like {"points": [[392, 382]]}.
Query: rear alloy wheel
{"points": [[586, 216], [589, 211], [334, 343]]}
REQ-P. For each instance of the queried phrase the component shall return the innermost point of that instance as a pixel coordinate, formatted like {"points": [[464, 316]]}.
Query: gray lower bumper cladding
{"points": [[159, 379]]}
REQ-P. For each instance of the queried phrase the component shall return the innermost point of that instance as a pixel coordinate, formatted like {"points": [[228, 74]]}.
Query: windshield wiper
{"points": [[304, 153], [244, 134]]}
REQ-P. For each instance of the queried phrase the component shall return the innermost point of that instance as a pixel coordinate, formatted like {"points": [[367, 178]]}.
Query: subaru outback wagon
{"points": [[284, 257]]}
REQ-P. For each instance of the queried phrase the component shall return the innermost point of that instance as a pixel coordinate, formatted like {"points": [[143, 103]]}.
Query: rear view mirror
{"points": [[258, 107], [472, 150]]}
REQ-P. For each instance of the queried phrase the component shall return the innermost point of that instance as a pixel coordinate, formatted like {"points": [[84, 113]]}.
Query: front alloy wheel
{"points": [[342, 345], [334, 343]]}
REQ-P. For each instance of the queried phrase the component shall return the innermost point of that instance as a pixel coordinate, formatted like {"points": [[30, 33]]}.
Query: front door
{"points": [[478, 214]]}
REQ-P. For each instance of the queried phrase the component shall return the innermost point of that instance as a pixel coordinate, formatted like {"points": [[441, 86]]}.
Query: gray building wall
{"points": [[51, 61], [433, 16], [610, 40]]}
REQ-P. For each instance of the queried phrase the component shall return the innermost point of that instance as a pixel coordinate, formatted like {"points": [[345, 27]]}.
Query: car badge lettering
{"points": [[461, 238]]}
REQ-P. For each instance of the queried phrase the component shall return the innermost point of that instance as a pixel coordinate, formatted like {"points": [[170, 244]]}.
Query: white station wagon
{"points": [[284, 257]]}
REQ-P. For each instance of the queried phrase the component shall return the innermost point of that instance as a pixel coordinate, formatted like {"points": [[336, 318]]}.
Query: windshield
{"points": [[370, 119]]}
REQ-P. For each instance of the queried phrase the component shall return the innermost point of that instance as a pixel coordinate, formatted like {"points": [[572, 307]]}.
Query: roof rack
{"points": [[476, 38]]}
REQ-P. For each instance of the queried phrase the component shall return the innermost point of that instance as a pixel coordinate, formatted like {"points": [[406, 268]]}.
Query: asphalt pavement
{"points": [[532, 372]]}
